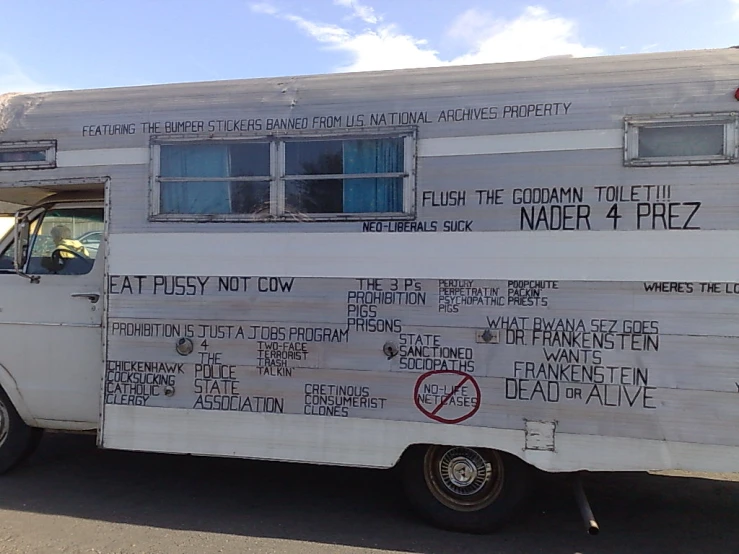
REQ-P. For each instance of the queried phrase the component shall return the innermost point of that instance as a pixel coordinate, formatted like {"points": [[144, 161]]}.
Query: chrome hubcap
{"points": [[464, 471], [463, 479]]}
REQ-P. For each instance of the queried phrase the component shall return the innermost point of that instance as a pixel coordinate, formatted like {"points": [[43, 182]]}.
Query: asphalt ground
{"points": [[71, 497]]}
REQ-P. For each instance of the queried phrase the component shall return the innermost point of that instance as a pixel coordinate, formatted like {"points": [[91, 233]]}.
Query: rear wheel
{"points": [[17, 440], [474, 490]]}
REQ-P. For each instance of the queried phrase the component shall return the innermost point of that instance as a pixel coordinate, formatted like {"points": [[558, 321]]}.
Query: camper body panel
{"points": [[612, 361], [381, 443], [538, 296], [540, 117]]}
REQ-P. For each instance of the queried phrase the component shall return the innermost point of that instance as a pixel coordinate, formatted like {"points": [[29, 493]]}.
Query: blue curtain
{"points": [[195, 197], [383, 194]]}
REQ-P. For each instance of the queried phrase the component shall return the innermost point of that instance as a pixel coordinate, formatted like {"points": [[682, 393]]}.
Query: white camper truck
{"points": [[469, 271]]}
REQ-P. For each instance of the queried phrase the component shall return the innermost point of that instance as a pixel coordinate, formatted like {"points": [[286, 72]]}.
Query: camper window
{"points": [[218, 178], [681, 140], [311, 178], [28, 155], [344, 176]]}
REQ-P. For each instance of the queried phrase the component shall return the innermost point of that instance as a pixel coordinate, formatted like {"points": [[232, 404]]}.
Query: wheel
{"points": [[17, 440], [473, 490]]}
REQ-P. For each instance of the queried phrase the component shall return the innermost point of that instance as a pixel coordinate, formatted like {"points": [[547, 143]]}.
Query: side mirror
{"points": [[22, 233]]}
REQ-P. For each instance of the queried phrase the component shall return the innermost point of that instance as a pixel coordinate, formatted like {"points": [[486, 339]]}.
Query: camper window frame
{"points": [[278, 178], [47, 146], [633, 124]]}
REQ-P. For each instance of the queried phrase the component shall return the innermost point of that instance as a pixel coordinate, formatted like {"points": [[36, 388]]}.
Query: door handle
{"points": [[91, 296]]}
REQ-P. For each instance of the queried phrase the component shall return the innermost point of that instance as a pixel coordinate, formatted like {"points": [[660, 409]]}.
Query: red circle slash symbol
{"points": [[445, 397]]}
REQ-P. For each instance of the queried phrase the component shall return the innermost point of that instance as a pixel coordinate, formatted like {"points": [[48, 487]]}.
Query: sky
{"points": [[74, 44]]}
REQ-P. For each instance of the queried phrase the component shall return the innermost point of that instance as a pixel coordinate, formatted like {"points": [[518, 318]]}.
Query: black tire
{"points": [[471, 490], [17, 440]]}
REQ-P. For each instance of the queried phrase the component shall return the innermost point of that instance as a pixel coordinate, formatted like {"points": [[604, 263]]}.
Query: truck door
{"points": [[51, 320]]}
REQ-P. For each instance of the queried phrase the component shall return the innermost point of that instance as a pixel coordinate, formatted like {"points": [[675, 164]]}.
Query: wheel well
{"points": [[10, 388], [415, 447]]}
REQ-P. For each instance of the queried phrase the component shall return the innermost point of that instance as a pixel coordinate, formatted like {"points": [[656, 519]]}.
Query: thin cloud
{"points": [[735, 6], [628, 4], [264, 7], [535, 34], [647, 48], [326, 33], [360, 11], [380, 48], [14, 79], [468, 26]]}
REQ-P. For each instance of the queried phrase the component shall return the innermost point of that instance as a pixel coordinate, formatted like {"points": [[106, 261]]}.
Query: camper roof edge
{"points": [[550, 64]]}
